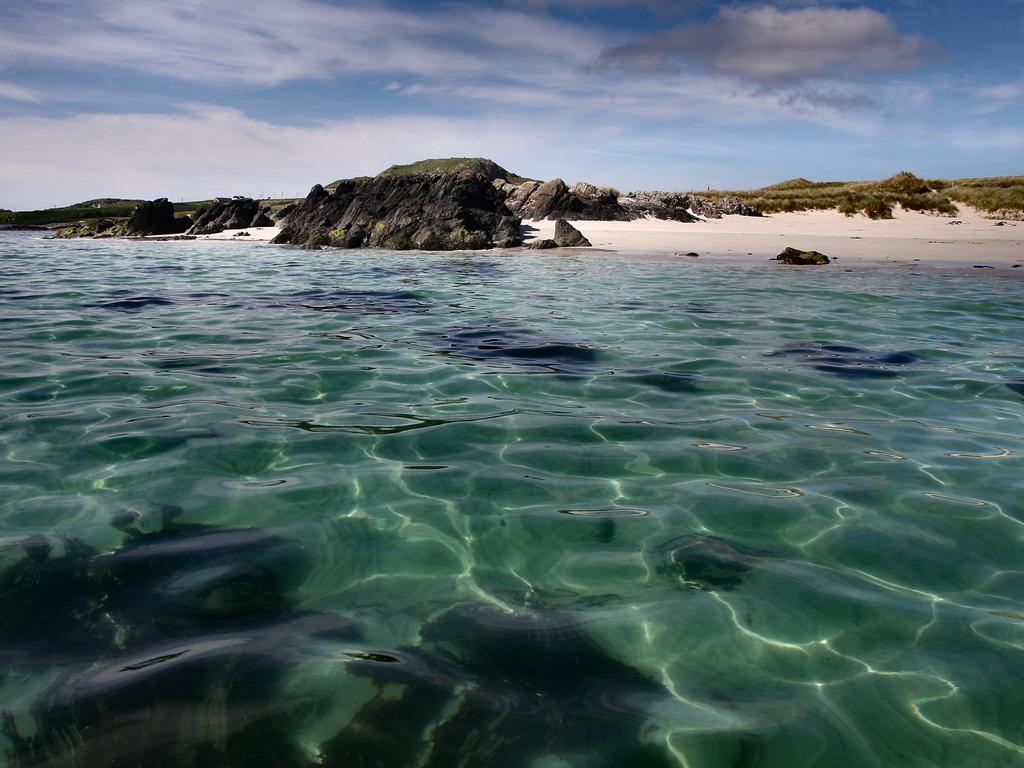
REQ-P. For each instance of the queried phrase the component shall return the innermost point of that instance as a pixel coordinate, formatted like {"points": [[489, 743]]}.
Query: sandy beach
{"points": [[908, 237]]}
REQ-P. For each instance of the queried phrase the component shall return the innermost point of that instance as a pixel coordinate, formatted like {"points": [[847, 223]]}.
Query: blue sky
{"points": [[193, 98]]}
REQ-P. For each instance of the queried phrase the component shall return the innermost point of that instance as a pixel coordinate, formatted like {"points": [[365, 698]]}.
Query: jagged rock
{"points": [[237, 213], [724, 206], [445, 211], [802, 258], [555, 200], [567, 236], [155, 217], [97, 228], [669, 206], [542, 245], [282, 213], [264, 218]]}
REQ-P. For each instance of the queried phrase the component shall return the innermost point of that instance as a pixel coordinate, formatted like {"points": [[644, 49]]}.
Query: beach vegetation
{"points": [[878, 199]]}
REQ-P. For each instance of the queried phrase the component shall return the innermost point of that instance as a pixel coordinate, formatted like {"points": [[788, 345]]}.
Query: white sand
{"points": [[256, 234], [909, 236]]}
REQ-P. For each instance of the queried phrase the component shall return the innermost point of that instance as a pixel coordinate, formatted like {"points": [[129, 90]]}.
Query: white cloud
{"points": [[206, 151], [268, 42], [773, 45]]}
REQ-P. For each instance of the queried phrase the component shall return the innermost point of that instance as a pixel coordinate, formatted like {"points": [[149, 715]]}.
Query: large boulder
{"points": [[555, 200], [723, 206], [234, 213], [155, 217], [567, 236], [796, 257], [442, 211], [669, 206]]}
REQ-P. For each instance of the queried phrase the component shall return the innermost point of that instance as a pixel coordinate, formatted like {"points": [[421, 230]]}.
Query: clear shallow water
{"points": [[268, 507]]}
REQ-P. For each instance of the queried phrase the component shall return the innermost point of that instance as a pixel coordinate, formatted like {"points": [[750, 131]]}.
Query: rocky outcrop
{"points": [[96, 228], [586, 202], [796, 257], [556, 200], [235, 213], [567, 236], [155, 217], [455, 211], [669, 206], [723, 206], [679, 206]]}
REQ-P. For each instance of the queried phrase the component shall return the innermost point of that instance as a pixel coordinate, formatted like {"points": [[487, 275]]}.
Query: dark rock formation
{"points": [[845, 360], [237, 213], [678, 206], [567, 236], [670, 206], [797, 257], [97, 228], [555, 200], [457, 211], [155, 217], [724, 206], [542, 245]]}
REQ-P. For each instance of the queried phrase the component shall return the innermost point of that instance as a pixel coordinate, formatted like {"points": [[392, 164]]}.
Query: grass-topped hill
{"points": [[101, 208], [481, 165], [878, 198]]}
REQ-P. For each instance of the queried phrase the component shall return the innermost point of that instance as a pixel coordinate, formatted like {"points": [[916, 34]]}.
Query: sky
{"points": [[195, 98]]}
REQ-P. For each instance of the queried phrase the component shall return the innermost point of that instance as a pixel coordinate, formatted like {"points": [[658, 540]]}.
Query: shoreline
{"points": [[910, 237]]}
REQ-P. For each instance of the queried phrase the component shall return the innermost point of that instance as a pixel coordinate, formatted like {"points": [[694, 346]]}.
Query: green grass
{"points": [[482, 165], [877, 199], [114, 209]]}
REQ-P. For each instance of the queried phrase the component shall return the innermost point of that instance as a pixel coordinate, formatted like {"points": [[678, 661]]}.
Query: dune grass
{"points": [[877, 199]]}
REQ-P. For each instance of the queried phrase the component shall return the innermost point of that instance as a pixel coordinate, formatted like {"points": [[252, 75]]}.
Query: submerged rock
{"points": [[567, 236], [493, 687], [849, 361], [704, 562], [172, 650], [795, 256], [457, 211]]}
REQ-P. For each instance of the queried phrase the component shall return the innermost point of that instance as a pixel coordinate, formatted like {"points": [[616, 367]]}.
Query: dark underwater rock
{"points": [[848, 361], [796, 257], [172, 649], [704, 562], [155, 217], [457, 211], [567, 236], [516, 345], [494, 687]]}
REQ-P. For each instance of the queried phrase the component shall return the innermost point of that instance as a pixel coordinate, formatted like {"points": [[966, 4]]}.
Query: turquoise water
{"points": [[261, 506]]}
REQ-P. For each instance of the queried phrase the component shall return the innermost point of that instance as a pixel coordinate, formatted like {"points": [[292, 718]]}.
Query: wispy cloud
{"points": [[205, 150], [774, 45], [269, 42], [14, 92]]}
